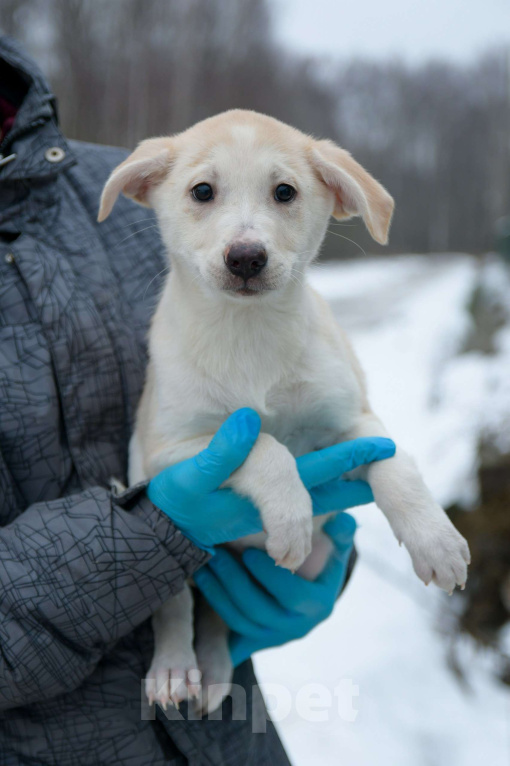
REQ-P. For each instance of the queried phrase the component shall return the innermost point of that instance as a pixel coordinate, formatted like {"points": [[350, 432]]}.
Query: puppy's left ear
{"points": [[138, 175], [356, 192]]}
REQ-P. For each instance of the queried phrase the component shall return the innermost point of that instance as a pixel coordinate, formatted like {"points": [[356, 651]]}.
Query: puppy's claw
{"points": [[439, 552]]}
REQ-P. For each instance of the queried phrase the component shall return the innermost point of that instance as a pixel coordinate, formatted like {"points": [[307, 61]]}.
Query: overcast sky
{"points": [[412, 29]]}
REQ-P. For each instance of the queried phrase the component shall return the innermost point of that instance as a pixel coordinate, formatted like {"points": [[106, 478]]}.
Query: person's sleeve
{"points": [[77, 574]]}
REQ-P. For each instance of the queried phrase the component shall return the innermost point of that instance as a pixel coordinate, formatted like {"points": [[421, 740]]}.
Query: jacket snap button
{"points": [[9, 258], [55, 154]]}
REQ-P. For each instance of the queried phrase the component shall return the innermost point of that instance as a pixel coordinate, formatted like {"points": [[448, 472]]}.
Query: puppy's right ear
{"points": [[135, 177]]}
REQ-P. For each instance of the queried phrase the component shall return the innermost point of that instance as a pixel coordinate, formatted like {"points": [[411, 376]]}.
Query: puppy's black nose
{"points": [[246, 259]]}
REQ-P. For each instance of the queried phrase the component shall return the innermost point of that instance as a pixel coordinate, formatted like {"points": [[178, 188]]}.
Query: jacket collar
{"points": [[34, 147]]}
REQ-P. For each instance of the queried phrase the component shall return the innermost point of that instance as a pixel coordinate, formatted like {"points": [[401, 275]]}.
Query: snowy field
{"points": [[382, 692]]}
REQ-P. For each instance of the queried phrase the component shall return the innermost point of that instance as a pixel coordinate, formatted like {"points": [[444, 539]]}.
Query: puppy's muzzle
{"points": [[246, 259]]}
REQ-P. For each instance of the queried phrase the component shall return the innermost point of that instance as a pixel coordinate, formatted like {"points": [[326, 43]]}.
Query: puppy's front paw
{"points": [[289, 536], [173, 677], [439, 552]]}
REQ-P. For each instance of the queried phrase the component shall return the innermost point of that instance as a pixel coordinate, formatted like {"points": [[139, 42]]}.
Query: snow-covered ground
{"points": [[371, 686]]}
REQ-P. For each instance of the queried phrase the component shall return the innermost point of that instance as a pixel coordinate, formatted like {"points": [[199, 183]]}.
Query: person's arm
{"points": [[77, 574]]}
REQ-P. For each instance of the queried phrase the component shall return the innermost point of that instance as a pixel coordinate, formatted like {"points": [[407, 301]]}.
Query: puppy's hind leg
{"points": [[173, 675], [213, 655]]}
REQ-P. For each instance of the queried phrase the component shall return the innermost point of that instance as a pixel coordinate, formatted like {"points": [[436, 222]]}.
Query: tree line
{"points": [[437, 135]]}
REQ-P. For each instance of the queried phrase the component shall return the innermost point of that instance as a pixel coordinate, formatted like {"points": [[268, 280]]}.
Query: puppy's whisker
{"points": [[152, 226], [195, 278], [139, 220], [295, 278], [317, 265], [167, 268], [336, 234]]}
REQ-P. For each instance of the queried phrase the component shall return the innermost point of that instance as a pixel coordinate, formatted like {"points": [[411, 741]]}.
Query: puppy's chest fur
{"points": [[303, 386], [312, 414]]}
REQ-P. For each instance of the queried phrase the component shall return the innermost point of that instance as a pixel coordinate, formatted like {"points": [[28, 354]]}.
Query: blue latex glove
{"points": [[188, 491], [265, 605]]}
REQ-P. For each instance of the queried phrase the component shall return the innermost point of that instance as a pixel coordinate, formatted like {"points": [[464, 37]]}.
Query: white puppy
{"points": [[243, 202]]}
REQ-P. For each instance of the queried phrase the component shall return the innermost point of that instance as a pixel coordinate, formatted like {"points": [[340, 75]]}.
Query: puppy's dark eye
{"points": [[202, 192], [284, 193]]}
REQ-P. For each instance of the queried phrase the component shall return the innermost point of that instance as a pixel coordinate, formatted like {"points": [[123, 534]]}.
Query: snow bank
{"points": [[383, 693]]}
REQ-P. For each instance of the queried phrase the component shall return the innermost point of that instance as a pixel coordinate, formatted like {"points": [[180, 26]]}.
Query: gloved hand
{"points": [[276, 606], [188, 491]]}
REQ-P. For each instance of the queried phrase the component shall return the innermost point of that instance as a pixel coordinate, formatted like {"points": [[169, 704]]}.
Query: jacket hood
{"points": [[35, 146]]}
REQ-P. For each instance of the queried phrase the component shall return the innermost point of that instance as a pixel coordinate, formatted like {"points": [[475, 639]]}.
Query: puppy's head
{"points": [[243, 200]]}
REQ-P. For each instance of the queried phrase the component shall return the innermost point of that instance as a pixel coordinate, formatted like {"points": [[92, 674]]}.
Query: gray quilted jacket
{"points": [[81, 571]]}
